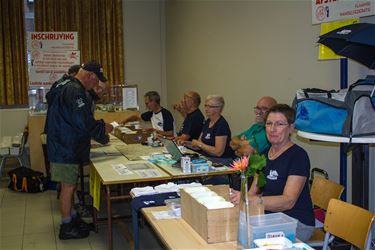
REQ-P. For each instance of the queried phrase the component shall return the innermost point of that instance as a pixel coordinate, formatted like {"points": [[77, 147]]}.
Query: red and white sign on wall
{"points": [[332, 10], [52, 41], [50, 56]]}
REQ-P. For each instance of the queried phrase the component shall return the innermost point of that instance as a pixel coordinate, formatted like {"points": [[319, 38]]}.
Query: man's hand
{"points": [[244, 150], [108, 128]]}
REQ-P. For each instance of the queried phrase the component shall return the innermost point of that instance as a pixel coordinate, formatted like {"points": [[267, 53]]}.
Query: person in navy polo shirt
{"points": [[192, 125], [215, 137], [287, 173]]}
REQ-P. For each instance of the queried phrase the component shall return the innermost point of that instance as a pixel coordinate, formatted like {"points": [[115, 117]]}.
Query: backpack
{"points": [[23, 179], [360, 102], [347, 112]]}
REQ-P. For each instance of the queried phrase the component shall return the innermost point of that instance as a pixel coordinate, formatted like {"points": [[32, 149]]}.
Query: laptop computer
{"points": [[173, 149]]}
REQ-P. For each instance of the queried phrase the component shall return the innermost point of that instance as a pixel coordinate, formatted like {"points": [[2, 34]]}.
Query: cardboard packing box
{"points": [[213, 225], [138, 136]]}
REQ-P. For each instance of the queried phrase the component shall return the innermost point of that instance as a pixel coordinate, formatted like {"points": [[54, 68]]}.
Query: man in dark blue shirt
{"points": [[189, 108]]}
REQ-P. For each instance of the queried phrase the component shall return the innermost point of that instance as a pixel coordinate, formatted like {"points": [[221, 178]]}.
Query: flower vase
{"points": [[244, 236]]}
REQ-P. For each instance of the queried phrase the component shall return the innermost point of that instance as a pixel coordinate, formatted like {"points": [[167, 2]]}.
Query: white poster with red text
{"points": [[333, 10], [50, 55], [49, 66]]}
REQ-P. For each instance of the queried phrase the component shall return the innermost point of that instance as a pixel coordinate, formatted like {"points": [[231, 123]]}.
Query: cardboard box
{"points": [[213, 225], [139, 136]]}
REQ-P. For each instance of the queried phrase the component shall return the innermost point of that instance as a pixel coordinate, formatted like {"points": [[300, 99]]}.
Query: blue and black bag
{"points": [[347, 112], [320, 111]]}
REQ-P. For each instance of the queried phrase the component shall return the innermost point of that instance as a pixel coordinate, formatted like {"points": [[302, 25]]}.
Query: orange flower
{"points": [[240, 164]]}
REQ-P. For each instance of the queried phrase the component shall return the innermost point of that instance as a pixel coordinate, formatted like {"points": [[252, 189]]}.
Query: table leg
{"points": [[135, 229], [95, 219], [109, 212]]}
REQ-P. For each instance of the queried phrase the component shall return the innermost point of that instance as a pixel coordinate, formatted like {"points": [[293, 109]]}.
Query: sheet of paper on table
{"points": [[165, 215], [121, 169]]}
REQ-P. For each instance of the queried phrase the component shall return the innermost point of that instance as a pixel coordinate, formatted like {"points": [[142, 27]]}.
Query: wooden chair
{"points": [[351, 223], [322, 191]]}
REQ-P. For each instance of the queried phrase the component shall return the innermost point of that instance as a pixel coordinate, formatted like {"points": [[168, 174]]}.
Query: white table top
{"points": [[333, 138]]}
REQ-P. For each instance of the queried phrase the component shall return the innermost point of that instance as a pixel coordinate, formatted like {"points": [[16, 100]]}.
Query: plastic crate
{"points": [[273, 225]]}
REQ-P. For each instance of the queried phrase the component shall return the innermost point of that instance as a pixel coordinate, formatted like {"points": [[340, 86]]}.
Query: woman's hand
{"points": [[235, 196]]}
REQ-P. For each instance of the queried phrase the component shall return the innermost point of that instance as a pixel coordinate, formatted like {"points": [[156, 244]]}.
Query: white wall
{"points": [[247, 49], [144, 47], [12, 121]]}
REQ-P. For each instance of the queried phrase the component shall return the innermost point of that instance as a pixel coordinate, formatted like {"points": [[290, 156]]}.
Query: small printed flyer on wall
{"points": [[130, 97]]}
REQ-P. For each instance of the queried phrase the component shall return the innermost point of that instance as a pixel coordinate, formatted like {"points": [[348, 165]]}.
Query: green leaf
{"points": [[261, 180], [257, 161]]}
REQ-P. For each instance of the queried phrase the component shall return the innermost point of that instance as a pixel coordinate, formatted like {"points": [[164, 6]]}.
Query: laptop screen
{"points": [[172, 148]]}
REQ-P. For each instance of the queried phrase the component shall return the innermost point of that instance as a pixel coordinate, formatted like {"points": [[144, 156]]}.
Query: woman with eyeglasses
{"points": [[215, 137], [287, 172]]}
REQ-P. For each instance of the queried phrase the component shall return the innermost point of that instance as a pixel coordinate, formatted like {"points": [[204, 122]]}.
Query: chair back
{"points": [[323, 190], [25, 136], [349, 222]]}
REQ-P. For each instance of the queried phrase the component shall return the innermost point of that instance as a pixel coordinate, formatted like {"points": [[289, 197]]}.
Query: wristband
{"points": [[260, 200]]}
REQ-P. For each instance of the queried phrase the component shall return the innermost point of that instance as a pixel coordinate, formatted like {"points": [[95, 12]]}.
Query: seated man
{"points": [[189, 108], [254, 138], [161, 119]]}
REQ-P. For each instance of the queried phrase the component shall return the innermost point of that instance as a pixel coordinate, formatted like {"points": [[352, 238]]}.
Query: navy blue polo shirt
{"points": [[220, 128], [294, 161], [192, 124]]}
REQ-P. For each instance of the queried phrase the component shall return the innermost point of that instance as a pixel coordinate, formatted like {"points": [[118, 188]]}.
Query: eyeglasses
{"points": [[260, 109], [211, 106], [276, 124]]}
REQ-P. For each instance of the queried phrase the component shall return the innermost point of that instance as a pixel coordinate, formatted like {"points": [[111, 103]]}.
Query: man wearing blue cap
{"points": [[71, 125]]}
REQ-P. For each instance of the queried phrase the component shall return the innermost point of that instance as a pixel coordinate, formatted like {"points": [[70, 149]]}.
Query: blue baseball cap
{"points": [[96, 68]]}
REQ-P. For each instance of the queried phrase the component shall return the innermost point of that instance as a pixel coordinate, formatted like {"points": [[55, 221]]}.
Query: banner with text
{"points": [[333, 10], [52, 41], [47, 67]]}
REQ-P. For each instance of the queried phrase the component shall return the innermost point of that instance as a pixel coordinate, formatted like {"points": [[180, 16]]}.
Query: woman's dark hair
{"points": [[284, 109]]}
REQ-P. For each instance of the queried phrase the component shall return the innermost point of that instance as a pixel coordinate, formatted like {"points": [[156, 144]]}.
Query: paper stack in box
{"points": [[208, 211]]}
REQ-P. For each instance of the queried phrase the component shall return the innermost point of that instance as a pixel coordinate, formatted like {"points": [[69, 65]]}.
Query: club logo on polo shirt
{"points": [[80, 103], [272, 175], [208, 136]]}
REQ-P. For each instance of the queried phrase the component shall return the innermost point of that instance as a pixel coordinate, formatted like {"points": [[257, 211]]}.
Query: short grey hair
{"points": [[218, 99], [153, 96]]}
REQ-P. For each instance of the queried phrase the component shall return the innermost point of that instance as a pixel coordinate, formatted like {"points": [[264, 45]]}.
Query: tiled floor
{"points": [[31, 221]]}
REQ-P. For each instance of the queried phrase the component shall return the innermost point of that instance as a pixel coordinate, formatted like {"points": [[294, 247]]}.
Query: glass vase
{"points": [[244, 236]]}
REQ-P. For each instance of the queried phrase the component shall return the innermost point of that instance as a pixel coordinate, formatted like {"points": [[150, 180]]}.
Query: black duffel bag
{"points": [[26, 180]]}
